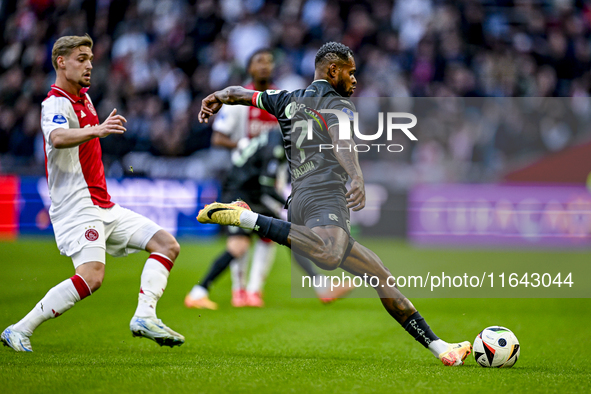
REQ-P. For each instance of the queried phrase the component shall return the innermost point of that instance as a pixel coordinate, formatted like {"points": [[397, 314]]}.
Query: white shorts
{"points": [[92, 231]]}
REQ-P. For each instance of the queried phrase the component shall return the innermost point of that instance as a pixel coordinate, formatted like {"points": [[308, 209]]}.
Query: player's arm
{"points": [[232, 95], [348, 159], [68, 138]]}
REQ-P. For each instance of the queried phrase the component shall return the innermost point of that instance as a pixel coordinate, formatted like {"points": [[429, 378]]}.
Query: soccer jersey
{"points": [[238, 121], [309, 165], [75, 176]]}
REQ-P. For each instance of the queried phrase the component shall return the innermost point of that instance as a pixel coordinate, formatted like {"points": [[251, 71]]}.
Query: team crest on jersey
{"points": [[91, 108], [91, 235], [59, 119]]}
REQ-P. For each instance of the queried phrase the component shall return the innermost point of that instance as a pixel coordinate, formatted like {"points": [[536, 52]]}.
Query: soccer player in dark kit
{"points": [[319, 211], [252, 180]]}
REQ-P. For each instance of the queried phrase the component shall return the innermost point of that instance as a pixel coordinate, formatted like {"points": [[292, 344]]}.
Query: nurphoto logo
{"points": [[392, 119]]}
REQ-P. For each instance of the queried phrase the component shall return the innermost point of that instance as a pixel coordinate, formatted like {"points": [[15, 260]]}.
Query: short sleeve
{"points": [[55, 112], [272, 101], [339, 104]]}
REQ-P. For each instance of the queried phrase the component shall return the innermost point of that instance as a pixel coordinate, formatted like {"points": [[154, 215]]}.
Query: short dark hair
{"points": [[257, 52], [333, 51]]}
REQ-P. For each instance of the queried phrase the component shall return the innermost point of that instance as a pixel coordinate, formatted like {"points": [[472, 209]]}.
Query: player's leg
{"points": [[82, 238], [131, 232], [362, 261], [325, 294], [238, 246], [263, 258], [198, 297], [163, 249], [325, 244], [89, 277]]}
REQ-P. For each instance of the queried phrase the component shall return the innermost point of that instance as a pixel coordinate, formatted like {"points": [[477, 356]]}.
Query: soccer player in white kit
{"points": [[233, 129], [87, 224]]}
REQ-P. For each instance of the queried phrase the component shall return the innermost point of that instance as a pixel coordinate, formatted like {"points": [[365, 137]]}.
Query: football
{"points": [[496, 347]]}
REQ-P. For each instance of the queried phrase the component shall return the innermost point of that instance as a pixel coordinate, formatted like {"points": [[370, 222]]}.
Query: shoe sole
{"points": [[171, 342]]}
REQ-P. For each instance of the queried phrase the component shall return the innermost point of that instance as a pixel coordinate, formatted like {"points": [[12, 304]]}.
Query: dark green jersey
{"points": [[312, 161]]}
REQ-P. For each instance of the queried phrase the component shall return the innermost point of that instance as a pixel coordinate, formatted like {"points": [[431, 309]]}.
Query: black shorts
{"points": [[317, 207]]}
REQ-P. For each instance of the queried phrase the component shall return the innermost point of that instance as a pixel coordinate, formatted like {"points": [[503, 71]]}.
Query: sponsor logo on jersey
{"points": [[59, 119], [91, 235], [334, 217], [82, 115], [272, 91], [292, 108]]}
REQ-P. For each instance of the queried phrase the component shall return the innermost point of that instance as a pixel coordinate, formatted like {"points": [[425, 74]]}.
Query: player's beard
{"points": [[341, 88], [83, 83]]}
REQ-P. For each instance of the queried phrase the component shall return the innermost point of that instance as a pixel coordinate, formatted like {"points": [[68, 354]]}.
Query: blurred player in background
{"points": [[252, 180], [87, 224], [320, 201], [233, 129]]}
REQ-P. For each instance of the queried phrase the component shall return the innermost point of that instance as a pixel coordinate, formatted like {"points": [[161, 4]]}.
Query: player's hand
{"points": [[356, 194], [209, 107], [112, 125]]}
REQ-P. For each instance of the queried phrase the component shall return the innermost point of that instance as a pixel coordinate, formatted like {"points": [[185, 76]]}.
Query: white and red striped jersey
{"points": [[75, 176], [239, 121]]}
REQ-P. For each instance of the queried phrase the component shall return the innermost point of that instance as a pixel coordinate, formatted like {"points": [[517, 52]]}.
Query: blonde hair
{"points": [[66, 44]]}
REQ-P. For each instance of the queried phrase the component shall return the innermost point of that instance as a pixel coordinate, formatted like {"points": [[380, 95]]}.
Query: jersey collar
{"points": [[320, 80], [73, 98]]}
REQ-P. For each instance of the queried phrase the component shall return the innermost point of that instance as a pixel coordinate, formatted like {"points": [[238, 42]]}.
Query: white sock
{"points": [[262, 261], [198, 292], [248, 219], [238, 268], [153, 282], [437, 347], [57, 300]]}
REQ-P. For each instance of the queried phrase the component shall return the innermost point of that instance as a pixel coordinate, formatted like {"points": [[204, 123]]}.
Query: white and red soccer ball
{"points": [[496, 347]]}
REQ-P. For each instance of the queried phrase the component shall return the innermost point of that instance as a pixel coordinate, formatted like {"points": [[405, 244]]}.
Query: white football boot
{"points": [[16, 340], [155, 330]]}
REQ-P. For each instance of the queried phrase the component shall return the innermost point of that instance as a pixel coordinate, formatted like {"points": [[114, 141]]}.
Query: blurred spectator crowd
{"points": [[154, 60]]}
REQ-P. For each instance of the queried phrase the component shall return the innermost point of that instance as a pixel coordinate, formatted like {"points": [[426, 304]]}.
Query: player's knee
{"points": [[238, 246], [329, 261], [95, 282], [173, 249], [93, 274], [94, 279]]}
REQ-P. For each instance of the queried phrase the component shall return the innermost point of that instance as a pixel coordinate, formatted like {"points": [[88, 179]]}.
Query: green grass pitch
{"points": [[291, 345]]}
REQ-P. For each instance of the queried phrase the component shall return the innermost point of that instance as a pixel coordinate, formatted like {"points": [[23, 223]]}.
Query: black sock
{"points": [[416, 326], [274, 229], [218, 266]]}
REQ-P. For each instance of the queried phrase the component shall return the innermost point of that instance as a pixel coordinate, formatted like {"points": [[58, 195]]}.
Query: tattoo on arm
{"points": [[345, 153], [235, 95]]}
